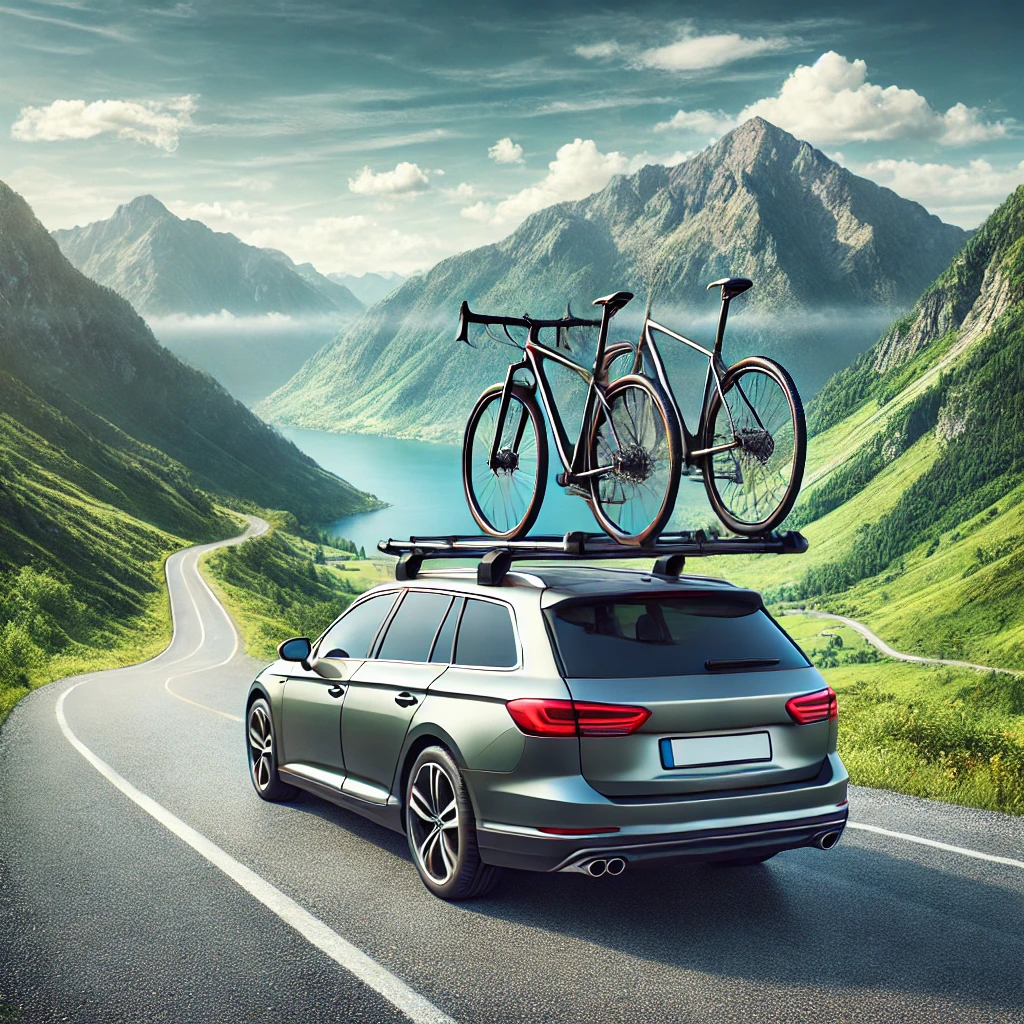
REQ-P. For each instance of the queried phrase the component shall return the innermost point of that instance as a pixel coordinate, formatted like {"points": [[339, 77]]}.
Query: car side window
{"points": [[414, 626], [442, 652], [352, 634], [486, 638]]}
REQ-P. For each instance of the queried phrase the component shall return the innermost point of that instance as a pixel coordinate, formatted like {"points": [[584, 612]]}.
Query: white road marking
{"points": [[963, 851], [341, 951]]}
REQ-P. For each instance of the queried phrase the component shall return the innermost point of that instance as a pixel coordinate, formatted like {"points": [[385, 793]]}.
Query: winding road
{"points": [[880, 645], [141, 879]]}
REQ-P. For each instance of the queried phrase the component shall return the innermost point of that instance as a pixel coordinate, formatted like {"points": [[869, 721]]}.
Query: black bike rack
{"points": [[495, 557]]}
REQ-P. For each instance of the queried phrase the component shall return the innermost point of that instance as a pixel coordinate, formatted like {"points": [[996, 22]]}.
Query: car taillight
{"points": [[537, 717], [820, 706]]}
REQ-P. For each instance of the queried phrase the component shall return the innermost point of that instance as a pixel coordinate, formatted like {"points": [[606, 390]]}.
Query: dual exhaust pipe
{"points": [[600, 866]]}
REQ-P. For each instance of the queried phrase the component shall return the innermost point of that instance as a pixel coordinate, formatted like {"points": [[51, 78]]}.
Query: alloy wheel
{"points": [[434, 823], [261, 747]]}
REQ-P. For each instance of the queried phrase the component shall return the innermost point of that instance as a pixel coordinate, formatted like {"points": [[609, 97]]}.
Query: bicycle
{"points": [[634, 443]]}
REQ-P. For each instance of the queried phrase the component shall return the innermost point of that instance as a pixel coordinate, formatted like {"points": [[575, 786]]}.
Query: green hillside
{"points": [[914, 509], [113, 454]]}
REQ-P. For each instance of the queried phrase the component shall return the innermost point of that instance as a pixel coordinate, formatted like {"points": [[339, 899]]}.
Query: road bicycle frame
{"points": [[573, 456]]}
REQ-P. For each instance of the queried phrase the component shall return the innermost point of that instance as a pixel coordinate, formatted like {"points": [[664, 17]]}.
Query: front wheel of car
{"points": [[441, 828], [262, 748]]}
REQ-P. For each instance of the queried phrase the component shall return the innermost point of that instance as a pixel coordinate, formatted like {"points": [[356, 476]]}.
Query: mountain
{"points": [[89, 357], [164, 265], [832, 256], [369, 288], [914, 493]]}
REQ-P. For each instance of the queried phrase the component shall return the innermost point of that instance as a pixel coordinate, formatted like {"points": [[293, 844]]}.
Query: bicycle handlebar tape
{"points": [[463, 334]]}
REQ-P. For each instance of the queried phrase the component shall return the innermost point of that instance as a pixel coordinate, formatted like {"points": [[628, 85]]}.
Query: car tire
{"points": [[441, 829], [261, 746]]}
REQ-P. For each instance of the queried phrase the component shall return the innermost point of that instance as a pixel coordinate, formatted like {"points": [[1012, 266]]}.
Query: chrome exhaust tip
{"points": [[615, 866], [826, 840], [596, 868]]}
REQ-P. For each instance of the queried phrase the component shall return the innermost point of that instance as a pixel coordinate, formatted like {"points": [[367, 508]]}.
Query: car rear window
{"points": [[669, 636]]}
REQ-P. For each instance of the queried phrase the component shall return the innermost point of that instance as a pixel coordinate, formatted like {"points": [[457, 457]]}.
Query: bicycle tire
{"points": [[638, 532], [781, 499], [519, 527]]}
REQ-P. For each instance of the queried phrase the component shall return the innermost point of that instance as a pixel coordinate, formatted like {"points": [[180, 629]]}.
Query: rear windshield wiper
{"points": [[714, 665]]}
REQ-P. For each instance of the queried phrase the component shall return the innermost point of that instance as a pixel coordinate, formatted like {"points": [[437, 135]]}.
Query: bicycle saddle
{"points": [[731, 286], [615, 301]]}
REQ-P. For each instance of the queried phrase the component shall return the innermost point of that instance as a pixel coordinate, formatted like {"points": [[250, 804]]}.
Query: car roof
{"points": [[561, 581]]}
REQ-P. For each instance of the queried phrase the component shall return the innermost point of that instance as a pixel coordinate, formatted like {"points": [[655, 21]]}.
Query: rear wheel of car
{"points": [[441, 829], [262, 749]]}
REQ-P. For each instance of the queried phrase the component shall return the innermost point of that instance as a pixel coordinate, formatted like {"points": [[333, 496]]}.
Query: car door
{"points": [[312, 706], [385, 691]]}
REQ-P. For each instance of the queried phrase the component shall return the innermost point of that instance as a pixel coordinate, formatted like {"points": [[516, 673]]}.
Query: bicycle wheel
{"points": [[619, 360], [635, 437], [506, 498], [753, 487]]}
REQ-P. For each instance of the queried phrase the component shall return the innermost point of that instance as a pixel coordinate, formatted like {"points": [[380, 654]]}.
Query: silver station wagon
{"points": [[570, 718]]}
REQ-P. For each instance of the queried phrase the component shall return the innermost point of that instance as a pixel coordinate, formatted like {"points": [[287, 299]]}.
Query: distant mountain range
{"points": [[831, 256], [164, 265], [83, 363], [369, 288]]}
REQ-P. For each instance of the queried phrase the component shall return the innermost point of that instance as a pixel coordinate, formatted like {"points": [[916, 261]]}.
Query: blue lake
{"points": [[422, 483]]}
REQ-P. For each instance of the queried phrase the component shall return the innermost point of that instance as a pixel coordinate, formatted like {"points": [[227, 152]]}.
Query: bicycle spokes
{"points": [[503, 490], [754, 479], [633, 456]]}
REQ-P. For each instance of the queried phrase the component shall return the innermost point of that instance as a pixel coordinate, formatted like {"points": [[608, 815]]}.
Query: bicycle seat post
{"points": [[731, 287]]}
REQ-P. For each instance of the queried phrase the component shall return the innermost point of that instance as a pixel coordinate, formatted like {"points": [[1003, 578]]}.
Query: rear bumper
{"points": [[711, 826], [550, 853]]}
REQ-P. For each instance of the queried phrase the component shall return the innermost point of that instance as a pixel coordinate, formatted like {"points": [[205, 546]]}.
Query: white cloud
{"points": [[702, 122], [963, 194], [598, 50], [579, 168], [158, 123], [229, 215], [461, 191], [354, 244], [505, 151], [696, 53], [405, 179], [831, 102]]}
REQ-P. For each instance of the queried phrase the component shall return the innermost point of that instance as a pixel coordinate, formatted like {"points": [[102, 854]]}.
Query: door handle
{"points": [[335, 691], [405, 699]]}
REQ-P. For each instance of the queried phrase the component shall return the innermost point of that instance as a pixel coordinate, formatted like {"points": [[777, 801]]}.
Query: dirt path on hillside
{"points": [[882, 646]]}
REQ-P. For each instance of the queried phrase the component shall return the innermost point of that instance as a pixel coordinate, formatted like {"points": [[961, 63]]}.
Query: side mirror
{"points": [[298, 648]]}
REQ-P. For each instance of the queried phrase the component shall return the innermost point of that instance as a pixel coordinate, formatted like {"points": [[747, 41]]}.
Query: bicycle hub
{"points": [[632, 463], [757, 443], [506, 461]]}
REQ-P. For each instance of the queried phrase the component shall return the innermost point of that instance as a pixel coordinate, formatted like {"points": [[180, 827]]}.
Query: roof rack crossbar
{"points": [[670, 550]]}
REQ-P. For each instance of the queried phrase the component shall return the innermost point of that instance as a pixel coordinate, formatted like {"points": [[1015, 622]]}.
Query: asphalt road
{"points": [[141, 879]]}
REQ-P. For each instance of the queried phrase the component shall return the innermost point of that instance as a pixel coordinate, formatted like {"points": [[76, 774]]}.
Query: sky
{"points": [[387, 136]]}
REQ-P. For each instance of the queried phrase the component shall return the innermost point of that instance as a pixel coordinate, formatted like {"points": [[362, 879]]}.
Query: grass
{"points": [[274, 587], [947, 734]]}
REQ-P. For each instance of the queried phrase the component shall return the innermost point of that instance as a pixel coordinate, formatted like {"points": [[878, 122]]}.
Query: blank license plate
{"points": [[707, 751]]}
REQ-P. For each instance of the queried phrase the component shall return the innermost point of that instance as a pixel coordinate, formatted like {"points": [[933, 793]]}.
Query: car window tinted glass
{"points": [[352, 634], [412, 630], [620, 639], [486, 637], [443, 646]]}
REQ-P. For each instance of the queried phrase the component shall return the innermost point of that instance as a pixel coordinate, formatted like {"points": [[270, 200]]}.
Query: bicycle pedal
{"points": [[575, 491]]}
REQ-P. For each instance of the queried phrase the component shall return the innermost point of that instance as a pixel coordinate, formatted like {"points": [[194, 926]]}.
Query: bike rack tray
{"points": [[495, 557]]}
